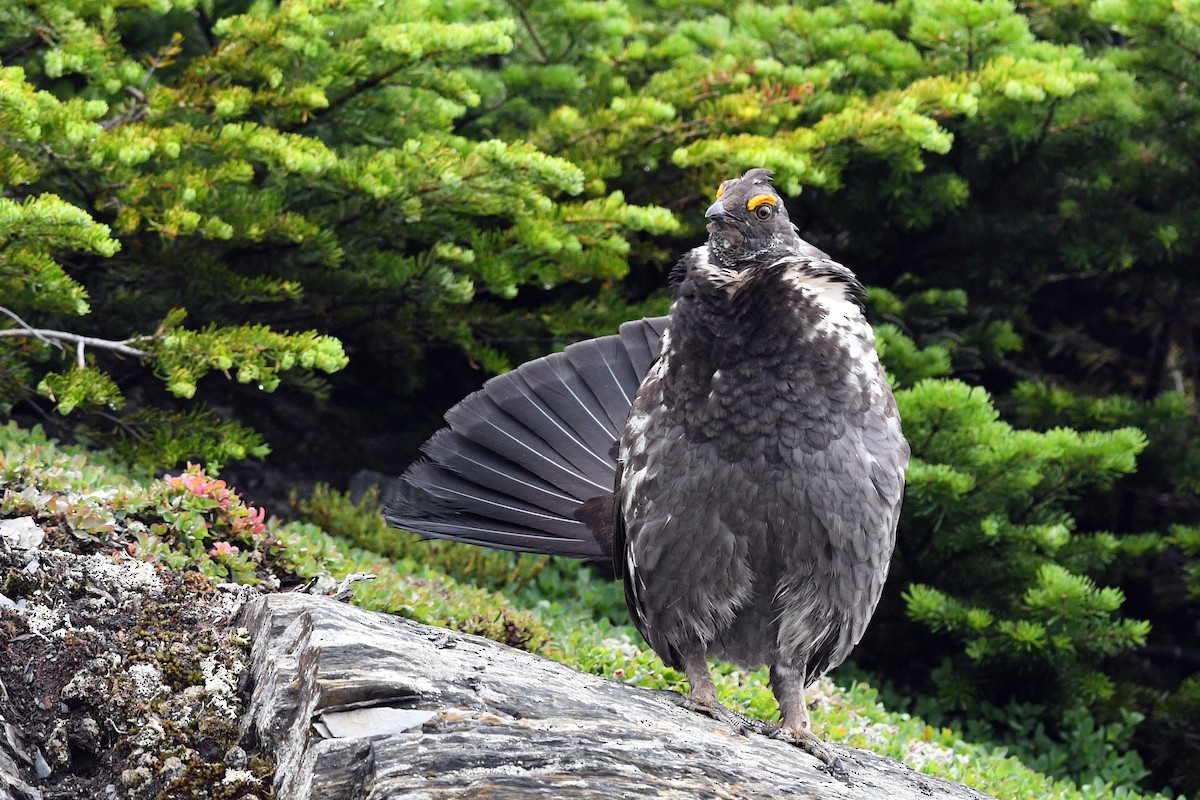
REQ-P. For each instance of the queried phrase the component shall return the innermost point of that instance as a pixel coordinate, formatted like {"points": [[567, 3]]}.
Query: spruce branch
{"points": [[120, 423], [138, 108], [60, 162], [20, 48], [204, 21], [528, 25], [1182, 45], [371, 83]]}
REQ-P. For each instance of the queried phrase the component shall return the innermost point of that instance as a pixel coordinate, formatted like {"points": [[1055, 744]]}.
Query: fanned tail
{"points": [[525, 452]]}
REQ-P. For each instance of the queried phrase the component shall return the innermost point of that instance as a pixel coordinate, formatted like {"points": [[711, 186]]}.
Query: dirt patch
{"points": [[121, 679]]}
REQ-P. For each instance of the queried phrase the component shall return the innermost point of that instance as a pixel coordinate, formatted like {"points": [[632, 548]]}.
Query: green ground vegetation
{"points": [[190, 521]]}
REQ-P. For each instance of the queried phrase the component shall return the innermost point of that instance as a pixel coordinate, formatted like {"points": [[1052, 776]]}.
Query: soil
{"points": [[120, 679]]}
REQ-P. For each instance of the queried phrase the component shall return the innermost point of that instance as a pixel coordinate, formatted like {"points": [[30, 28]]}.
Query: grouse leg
{"points": [[703, 695], [787, 683]]}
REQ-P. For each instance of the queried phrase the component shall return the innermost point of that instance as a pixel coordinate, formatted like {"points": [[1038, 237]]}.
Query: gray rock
{"points": [[354, 704], [22, 533], [12, 787]]}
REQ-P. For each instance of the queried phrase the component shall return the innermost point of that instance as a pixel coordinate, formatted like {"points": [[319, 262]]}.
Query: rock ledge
{"points": [[355, 704]]}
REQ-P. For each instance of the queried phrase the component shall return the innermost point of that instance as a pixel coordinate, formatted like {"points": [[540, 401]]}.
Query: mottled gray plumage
{"points": [[760, 469]]}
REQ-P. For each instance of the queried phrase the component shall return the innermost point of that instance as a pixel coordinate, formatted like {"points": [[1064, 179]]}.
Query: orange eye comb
{"points": [[758, 200]]}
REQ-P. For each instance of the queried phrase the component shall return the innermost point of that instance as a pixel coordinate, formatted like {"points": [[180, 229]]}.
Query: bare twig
{"points": [[122, 424], [57, 338], [345, 590], [528, 24], [76, 179], [138, 108], [350, 94], [28, 327], [123, 347]]}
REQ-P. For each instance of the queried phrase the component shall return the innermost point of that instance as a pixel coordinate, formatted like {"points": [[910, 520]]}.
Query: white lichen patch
{"points": [[126, 575], [228, 600], [150, 734], [220, 684], [88, 683], [43, 619], [239, 776], [57, 751], [135, 777], [145, 679]]}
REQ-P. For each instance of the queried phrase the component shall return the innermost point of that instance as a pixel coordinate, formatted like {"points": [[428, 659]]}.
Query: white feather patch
{"points": [[832, 295], [724, 277]]}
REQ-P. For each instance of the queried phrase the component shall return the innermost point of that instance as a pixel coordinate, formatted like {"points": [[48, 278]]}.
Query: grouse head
{"points": [[748, 224]]}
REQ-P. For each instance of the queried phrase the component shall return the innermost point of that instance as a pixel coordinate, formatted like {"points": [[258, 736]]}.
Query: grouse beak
{"points": [[717, 211]]}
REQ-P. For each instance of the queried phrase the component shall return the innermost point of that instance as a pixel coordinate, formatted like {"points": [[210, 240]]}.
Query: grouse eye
{"points": [[763, 205]]}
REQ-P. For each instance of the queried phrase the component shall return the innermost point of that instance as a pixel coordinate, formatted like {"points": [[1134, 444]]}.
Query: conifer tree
{"points": [[170, 175]]}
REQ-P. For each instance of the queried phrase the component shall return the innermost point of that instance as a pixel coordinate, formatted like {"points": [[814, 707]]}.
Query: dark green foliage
{"points": [[1171, 737], [157, 438], [1160, 569], [989, 560]]}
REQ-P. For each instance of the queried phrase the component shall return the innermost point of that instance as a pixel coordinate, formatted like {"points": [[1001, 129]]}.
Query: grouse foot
{"points": [[788, 682], [742, 725], [810, 743], [738, 723]]}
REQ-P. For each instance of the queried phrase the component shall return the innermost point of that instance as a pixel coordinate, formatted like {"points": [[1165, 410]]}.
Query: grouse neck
{"points": [[725, 312], [763, 363]]}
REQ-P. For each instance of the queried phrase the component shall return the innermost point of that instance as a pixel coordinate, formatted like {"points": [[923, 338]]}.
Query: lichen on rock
{"points": [[124, 676]]}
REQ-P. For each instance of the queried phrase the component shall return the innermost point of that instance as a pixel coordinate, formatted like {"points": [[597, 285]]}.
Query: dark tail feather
{"points": [[522, 455]]}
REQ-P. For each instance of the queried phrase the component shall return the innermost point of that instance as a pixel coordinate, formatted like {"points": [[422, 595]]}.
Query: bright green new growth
{"points": [[31, 233], [310, 159]]}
